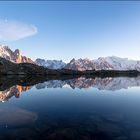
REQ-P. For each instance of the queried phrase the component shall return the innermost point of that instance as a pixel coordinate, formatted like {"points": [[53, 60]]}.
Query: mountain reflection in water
{"points": [[109, 83], [55, 113], [12, 91], [99, 83]]}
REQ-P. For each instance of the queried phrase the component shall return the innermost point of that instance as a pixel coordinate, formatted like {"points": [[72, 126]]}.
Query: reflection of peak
{"points": [[109, 83], [51, 84], [13, 91], [105, 83], [19, 88], [99, 83]]}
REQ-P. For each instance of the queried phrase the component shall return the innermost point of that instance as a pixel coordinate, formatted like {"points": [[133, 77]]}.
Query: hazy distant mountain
{"points": [[51, 64], [104, 63], [14, 56]]}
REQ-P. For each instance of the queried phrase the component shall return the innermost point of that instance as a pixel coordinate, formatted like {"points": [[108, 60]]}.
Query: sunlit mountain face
{"points": [[14, 56]]}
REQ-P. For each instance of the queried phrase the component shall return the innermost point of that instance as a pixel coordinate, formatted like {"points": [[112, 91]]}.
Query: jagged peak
{"points": [[14, 56], [87, 59], [72, 60], [17, 52], [5, 47]]}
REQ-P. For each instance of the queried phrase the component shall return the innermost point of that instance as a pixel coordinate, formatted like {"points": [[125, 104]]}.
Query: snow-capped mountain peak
{"points": [[80, 64], [117, 63], [51, 64], [104, 63]]}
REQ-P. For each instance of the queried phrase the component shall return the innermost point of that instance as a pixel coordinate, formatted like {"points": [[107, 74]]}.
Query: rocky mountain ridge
{"points": [[102, 63]]}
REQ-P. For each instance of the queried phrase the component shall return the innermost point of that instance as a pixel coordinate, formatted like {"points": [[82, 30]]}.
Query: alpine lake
{"points": [[72, 109]]}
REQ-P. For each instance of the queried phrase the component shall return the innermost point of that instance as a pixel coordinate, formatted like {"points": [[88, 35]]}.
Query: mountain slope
{"points": [[8, 67]]}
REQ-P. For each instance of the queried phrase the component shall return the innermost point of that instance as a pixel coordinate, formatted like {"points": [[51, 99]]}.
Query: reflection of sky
{"points": [[14, 116], [50, 95], [65, 99], [77, 29], [66, 102], [75, 110]]}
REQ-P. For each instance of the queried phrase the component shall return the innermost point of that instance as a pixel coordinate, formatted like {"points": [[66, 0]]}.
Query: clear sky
{"points": [[68, 29]]}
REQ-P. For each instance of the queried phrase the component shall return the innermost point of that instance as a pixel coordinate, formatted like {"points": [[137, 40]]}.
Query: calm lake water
{"points": [[77, 109]]}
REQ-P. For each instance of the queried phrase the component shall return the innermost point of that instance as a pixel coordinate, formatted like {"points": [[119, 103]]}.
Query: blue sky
{"points": [[68, 29]]}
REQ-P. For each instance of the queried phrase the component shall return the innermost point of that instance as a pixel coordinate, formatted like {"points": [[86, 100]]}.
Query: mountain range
{"points": [[102, 63]]}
